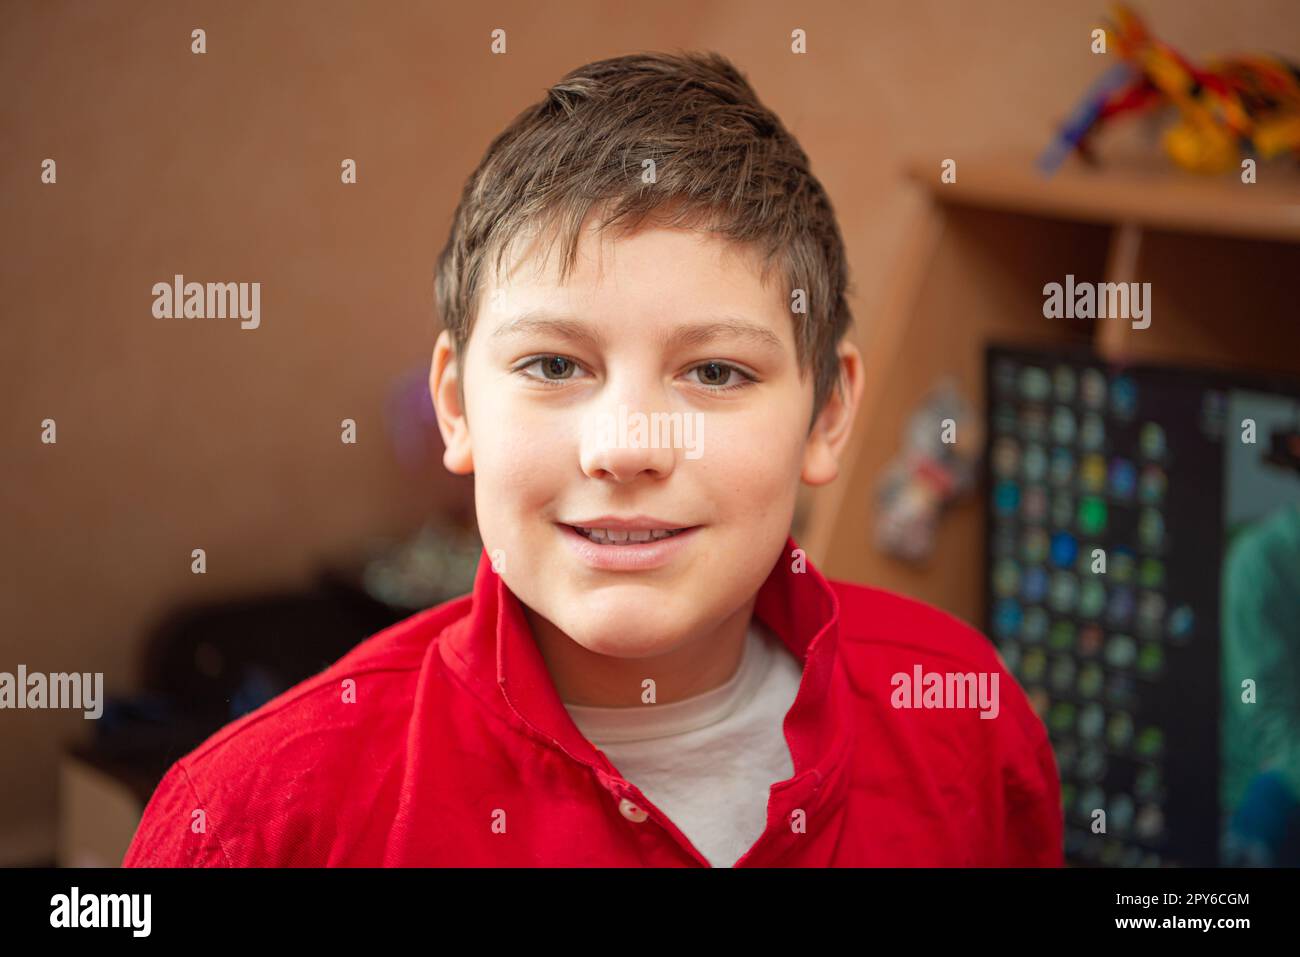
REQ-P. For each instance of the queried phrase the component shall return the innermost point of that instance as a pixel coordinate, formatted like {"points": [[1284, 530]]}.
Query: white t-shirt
{"points": [[709, 761]]}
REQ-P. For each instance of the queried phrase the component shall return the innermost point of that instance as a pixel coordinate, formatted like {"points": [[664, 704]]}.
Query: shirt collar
{"points": [[494, 653]]}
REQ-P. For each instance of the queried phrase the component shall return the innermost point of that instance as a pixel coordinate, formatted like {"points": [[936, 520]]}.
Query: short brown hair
{"points": [[723, 163]]}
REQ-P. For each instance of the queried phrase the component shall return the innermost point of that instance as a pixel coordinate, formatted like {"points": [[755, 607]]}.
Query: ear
{"points": [[821, 458], [444, 387]]}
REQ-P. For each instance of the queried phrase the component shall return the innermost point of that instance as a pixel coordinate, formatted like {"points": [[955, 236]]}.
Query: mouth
{"points": [[627, 549], [622, 537]]}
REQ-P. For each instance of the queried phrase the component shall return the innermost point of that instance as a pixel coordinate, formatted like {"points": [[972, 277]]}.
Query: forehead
{"points": [[653, 276]]}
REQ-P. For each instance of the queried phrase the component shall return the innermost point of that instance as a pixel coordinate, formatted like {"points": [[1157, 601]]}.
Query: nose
{"points": [[622, 441]]}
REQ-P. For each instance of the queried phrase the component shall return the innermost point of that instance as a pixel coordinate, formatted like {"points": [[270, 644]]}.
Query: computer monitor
{"points": [[1143, 585]]}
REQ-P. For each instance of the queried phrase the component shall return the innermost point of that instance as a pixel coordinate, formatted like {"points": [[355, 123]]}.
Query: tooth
{"points": [[606, 536]]}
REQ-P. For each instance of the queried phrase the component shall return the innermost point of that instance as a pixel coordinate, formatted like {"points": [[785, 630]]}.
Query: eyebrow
{"points": [[685, 334]]}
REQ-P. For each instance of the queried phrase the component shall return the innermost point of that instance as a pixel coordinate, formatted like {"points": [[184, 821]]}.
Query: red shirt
{"points": [[455, 749]]}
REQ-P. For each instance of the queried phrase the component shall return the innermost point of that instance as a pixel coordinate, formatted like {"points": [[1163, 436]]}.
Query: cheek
{"points": [[522, 459], [755, 458]]}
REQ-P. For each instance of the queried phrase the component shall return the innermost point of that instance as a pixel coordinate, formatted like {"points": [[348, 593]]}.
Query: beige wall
{"points": [[226, 167]]}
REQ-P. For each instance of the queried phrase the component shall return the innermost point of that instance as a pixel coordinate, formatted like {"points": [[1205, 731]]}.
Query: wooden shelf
{"points": [[1149, 193], [1221, 256]]}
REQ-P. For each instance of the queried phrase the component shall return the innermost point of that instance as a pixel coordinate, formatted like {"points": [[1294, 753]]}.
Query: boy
{"points": [[648, 671]]}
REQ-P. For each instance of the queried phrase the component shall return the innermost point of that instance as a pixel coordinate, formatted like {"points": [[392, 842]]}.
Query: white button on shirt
{"points": [[631, 811], [708, 761]]}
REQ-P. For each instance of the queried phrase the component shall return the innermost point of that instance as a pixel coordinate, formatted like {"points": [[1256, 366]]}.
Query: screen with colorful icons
{"points": [[1143, 585]]}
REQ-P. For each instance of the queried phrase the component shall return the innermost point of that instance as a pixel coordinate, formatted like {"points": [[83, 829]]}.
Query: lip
{"points": [[627, 558], [631, 523]]}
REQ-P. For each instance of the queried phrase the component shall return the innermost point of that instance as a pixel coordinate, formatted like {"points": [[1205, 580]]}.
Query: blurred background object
{"points": [[1233, 107], [931, 470]]}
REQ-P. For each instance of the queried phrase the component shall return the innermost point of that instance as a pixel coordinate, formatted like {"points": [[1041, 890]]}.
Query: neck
{"points": [[699, 664]]}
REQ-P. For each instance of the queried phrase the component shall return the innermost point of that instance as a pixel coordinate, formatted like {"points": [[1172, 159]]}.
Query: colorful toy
{"points": [[931, 470], [1233, 106]]}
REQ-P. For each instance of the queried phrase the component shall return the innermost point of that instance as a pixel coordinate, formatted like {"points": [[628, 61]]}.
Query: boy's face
{"points": [[550, 448]]}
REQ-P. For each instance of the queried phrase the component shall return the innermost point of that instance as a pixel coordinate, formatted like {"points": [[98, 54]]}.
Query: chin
{"points": [[621, 643]]}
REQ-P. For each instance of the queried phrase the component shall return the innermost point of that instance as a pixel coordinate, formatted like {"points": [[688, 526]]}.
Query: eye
{"points": [[716, 376], [556, 369]]}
